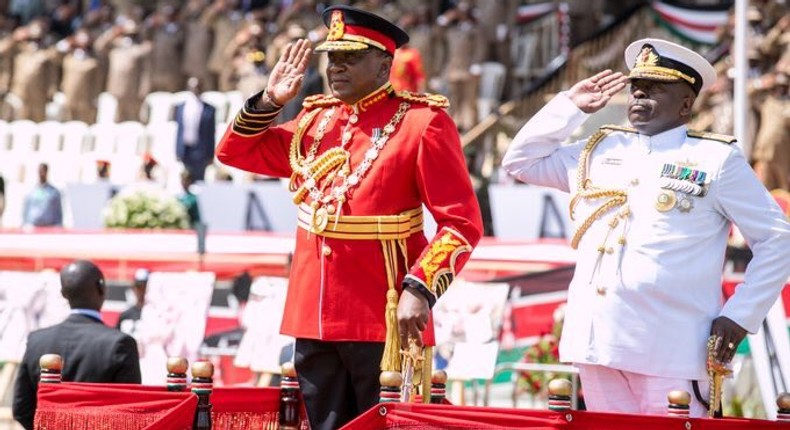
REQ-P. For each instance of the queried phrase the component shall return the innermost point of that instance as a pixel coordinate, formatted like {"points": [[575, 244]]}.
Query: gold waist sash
{"points": [[381, 227]]}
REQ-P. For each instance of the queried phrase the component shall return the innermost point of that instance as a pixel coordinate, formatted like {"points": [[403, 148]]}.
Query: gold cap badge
{"points": [[337, 28], [647, 57]]}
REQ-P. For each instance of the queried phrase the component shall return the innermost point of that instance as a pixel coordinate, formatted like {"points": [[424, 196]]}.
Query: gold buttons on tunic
{"points": [[601, 291], [326, 250]]}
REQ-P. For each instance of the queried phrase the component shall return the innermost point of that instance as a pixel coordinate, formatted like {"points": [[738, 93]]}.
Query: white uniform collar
{"points": [[670, 138]]}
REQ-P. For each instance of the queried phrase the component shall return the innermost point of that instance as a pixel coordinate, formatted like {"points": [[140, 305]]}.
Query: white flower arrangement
{"points": [[145, 208]]}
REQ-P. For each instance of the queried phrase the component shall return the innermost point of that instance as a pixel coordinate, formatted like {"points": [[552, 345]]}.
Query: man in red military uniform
{"points": [[362, 164]]}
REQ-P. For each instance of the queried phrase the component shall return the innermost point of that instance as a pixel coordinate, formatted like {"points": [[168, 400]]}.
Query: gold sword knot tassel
{"points": [[716, 373], [411, 370]]}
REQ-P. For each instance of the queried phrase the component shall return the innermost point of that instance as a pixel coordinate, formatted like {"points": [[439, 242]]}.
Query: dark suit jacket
{"points": [[202, 153], [91, 351]]}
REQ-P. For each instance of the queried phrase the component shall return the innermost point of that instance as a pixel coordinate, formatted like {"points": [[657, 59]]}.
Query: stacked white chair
{"points": [[158, 107], [107, 108], [24, 141], [219, 100], [50, 137], [5, 148], [235, 103]]}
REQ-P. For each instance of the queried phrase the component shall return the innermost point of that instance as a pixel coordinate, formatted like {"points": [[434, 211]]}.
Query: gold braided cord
{"points": [[658, 72], [327, 162], [586, 191], [598, 213]]}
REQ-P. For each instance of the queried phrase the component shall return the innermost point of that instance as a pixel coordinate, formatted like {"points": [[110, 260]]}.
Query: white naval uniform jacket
{"points": [[663, 288]]}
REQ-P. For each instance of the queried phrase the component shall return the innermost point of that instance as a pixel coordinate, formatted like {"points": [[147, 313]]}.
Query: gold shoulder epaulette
{"points": [[432, 100], [619, 128], [319, 100], [711, 136]]}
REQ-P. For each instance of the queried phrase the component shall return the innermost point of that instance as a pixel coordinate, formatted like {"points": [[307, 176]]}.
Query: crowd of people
{"points": [[131, 48], [649, 201], [768, 52]]}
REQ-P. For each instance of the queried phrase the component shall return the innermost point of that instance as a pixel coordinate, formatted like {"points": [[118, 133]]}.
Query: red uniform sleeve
{"points": [[251, 144], [447, 192]]}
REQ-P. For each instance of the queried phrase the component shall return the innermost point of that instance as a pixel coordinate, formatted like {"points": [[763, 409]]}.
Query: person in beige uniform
{"points": [[464, 55], [771, 152], [246, 50], [81, 80], [128, 77], [34, 77], [225, 19], [197, 44], [167, 35], [7, 52]]}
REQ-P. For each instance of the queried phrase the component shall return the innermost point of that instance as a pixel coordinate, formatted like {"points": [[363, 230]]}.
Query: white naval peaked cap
{"points": [[660, 60]]}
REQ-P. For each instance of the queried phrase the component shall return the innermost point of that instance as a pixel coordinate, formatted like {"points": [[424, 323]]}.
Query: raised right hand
{"points": [[287, 75], [592, 94]]}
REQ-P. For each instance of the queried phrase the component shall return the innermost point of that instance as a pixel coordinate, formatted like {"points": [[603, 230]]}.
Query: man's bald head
{"points": [[82, 284]]}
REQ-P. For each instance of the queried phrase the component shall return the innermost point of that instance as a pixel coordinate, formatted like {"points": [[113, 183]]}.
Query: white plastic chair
{"points": [[162, 141], [235, 103], [74, 134], [158, 107], [5, 133], [124, 168], [107, 108], [129, 138], [50, 134], [54, 109], [103, 138], [219, 100], [24, 135]]}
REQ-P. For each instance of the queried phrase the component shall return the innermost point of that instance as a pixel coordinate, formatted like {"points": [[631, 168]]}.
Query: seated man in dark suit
{"points": [[91, 351]]}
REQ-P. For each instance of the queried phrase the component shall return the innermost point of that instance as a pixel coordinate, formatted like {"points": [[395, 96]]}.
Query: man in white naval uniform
{"points": [[652, 207]]}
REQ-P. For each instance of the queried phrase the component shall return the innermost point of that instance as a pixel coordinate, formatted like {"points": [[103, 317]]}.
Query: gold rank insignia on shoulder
{"points": [[618, 128], [431, 100], [319, 101], [711, 136]]}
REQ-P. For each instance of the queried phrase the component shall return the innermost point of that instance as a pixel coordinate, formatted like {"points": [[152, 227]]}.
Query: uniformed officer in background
{"points": [[652, 206]]}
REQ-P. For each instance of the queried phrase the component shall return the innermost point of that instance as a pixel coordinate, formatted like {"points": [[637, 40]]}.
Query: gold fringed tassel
{"points": [[391, 360], [427, 373]]}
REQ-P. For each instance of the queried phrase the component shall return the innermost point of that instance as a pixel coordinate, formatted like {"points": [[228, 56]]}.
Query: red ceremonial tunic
{"points": [[338, 286]]}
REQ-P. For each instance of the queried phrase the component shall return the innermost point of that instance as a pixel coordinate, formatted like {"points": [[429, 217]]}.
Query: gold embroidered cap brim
{"points": [[341, 45]]}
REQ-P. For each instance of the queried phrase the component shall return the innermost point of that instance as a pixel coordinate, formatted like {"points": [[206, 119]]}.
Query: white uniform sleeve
{"points": [[536, 156], [743, 200]]}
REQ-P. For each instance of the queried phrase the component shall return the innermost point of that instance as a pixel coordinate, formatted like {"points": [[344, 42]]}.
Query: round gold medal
{"points": [[666, 200]]}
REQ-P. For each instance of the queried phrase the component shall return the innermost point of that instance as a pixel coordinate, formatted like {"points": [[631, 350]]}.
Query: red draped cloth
{"points": [[73, 406], [445, 417], [243, 408]]}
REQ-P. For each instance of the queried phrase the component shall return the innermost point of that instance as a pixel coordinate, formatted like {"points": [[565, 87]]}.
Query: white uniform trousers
{"points": [[612, 390]]}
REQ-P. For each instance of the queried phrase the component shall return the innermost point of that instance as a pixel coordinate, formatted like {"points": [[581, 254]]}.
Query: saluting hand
{"points": [[730, 336], [287, 75], [592, 94]]}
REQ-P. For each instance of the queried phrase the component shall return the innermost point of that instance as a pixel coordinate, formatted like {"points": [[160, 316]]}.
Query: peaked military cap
{"points": [[352, 29], [659, 60]]}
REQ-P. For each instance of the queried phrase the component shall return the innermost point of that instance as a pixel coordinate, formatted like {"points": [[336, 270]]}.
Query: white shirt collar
{"points": [[92, 313]]}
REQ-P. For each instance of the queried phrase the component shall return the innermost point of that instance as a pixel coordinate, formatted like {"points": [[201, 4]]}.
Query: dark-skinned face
{"points": [[655, 107], [355, 74]]}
